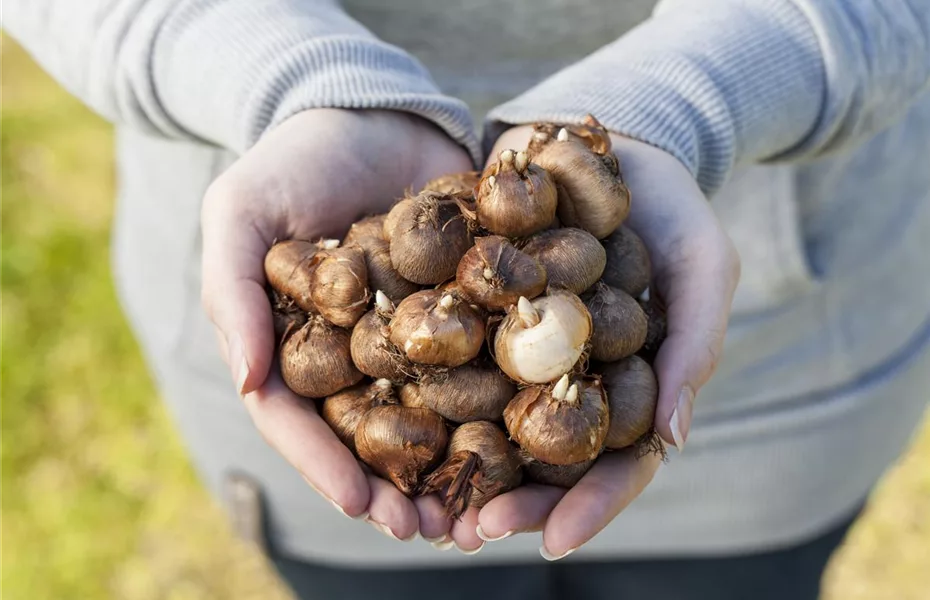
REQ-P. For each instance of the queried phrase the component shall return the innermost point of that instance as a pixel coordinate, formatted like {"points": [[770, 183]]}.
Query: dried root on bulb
{"points": [[429, 236], [315, 360], [573, 258], [628, 265], [515, 197], [562, 423], [344, 410], [433, 327], [620, 325], [539, 341], [286, 316], [494, 274], [401, 444], [481, 465], [455, 183]]}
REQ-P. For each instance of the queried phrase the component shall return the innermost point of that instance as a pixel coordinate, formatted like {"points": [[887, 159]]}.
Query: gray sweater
{"points": [[806, 121]]}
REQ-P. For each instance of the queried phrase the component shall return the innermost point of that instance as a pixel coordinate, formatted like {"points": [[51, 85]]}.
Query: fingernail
{"points": [[387, 530], [469, 552], [441, 543], [680, 421], [486, 538], [237, 361], [552, 557]]}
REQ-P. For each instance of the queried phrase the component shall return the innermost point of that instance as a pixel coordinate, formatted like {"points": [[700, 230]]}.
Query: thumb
{"points": [[698, 291], [233, 291]]}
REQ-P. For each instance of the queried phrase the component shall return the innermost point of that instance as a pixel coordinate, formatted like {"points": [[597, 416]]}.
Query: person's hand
{"points": [[311, 177], [695, 272]]}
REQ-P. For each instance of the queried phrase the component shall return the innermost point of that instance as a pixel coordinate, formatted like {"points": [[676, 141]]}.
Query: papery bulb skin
{"points": [[628, 266], [561, 423], [632, 395], [428, 238], [455, 183], [315, 360], [381, 272], [656, 329], [494, 274], [401, 444], [477, 391], [372, 350], [515, 198], [289, 270], [620, 325], [591, 193], [368, 227], [433, 327], [564, 476], [344, 410], [573, 258], [339, 285], [539, 341], [481, 465]]}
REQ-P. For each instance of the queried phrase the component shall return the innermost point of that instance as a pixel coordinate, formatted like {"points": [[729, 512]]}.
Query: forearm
{"points": [[225, 71], [725, 82]]}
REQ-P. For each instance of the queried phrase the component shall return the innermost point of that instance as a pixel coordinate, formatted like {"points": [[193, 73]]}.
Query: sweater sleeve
{"points": [[225, 71], [720, 83]]}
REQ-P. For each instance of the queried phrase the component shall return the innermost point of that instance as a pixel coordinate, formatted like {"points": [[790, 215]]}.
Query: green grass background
{"points": [[98, 499]]}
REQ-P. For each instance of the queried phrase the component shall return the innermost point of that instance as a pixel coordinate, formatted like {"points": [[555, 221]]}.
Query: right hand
{"points": [[311, 177]]}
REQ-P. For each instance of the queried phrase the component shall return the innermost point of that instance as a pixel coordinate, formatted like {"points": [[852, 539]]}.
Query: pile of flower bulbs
{"points": [[487, 331]]}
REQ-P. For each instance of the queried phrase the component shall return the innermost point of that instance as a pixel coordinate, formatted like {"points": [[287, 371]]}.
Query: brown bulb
{"points": [[628, 265], [481, 465], [369, 227], [565, 476], [372, 351], [436, 328], [287, 317], [340, 285], [620, 325], [477, 391], [399, 209], [429, 238], [656, 330], [401, 444], [381, 272], [456, 183], [410, 396], [632, 394], [289, 267], [573, 258], [494, 274], [591, 194], [315, 360], [590, 133], [515, 197], [561, 423], [344, 410]]}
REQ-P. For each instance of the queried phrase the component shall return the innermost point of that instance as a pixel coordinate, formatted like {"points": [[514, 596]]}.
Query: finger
{"points": [[234, 287], [291, 426], [434, 524], [464, 532], [390, 512], [698, 290], [611, 484], [521, 510]]}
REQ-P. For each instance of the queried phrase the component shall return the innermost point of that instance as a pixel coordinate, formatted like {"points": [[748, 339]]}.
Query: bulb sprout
{"points": [[383, 384], [527, 313], [488, 273], [382, 302], [521, 161], [506, 156], [329, 244], [563, 135], [446, 302], [492, 180], [571, 397], [561, 388]]}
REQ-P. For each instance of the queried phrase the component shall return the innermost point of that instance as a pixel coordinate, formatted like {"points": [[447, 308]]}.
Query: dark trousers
{"points": [[789, 574]]}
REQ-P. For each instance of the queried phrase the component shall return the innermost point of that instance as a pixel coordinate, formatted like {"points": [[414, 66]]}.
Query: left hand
{"points": [[695, 272]]}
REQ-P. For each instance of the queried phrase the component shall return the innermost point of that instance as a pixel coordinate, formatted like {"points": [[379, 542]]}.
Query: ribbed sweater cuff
{"points": [[228, 72], [712, 83]]}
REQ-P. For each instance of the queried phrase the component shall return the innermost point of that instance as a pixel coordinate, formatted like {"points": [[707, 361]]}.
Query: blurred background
{"points": [[98, 499]]}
